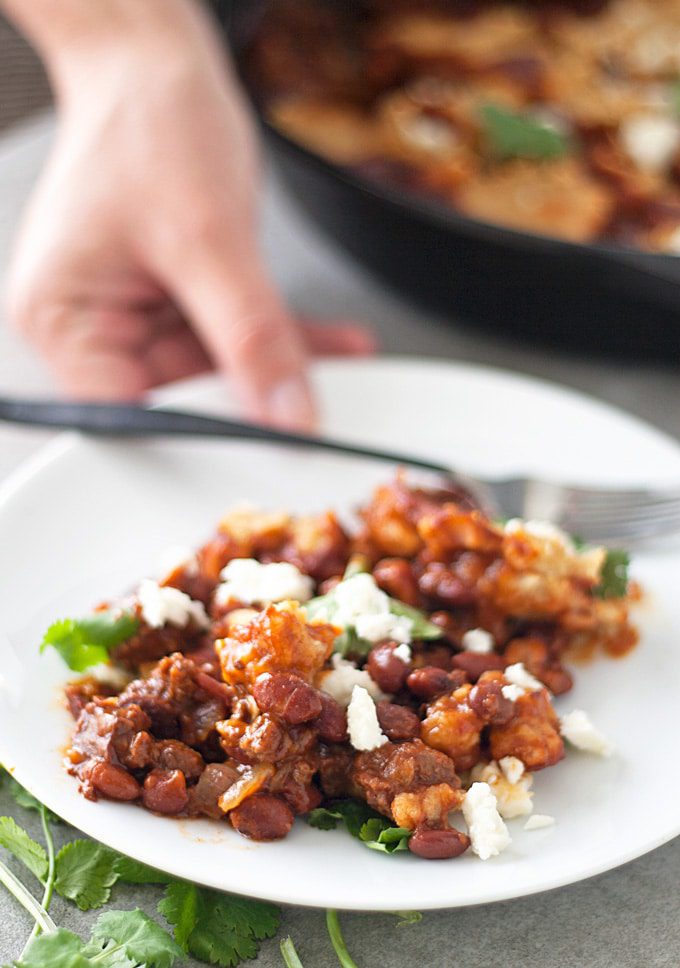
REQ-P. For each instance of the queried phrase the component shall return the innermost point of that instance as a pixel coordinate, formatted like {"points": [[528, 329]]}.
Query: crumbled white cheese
{"points": [[651, 140], [512, 767], [360, 604], [539, 820], [403, 653], [517, 675], [362, 722], [513, 797], [163, 605], [512, 692], [488, 834], [577, 728], [540, 529], [343, 677], [478, 640], [178, 557], [251, 582], [376, 628]]}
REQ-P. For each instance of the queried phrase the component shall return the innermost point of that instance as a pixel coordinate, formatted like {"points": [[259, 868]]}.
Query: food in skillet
{"points": [[558, 118], [398, 679]]}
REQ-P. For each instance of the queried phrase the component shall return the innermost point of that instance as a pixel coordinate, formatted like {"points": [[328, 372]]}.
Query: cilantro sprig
{"points": [[217, 928], [614, 575], [360, 821], [349, 642], [509, 134], [86, 642]]}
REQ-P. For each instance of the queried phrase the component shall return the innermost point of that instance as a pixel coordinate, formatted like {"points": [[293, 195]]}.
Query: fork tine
{"points": [[606, 509], [624, 531], [632, 503], [631, 515]]}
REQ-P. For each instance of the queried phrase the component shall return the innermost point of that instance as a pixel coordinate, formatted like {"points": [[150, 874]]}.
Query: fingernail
{"points": [[290, 404]]}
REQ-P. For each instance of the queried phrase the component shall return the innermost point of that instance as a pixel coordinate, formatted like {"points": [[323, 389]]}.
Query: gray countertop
{"points": [[627, 918]]}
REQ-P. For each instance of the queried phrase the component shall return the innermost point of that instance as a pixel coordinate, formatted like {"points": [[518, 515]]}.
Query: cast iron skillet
{"points": [[597, 299]]}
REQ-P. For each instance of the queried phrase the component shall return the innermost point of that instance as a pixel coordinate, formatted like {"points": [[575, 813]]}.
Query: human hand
{"points": [[138, 260]]}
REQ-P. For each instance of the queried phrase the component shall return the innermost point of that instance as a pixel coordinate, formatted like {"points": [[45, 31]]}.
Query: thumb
{"points": [[235, 310]]}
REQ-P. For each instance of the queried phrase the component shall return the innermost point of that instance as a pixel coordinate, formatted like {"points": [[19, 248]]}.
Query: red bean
{"points": [[262, 817], [288, 697], [438, 844], [440, 583], [331, 724], [386, 669], [165, 791], [475, 663], [558, 679], [114, 782], [397, 722], [395, 576], [486, 699], [428, 682]]}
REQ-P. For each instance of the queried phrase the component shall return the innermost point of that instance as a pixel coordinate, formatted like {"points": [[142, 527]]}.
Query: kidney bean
{"points": [[431, 681], [386, 669], [428, 682], [288, 697], [475, 663], [114, 782], [438, 844], [395, 576], [165, 791], [439, 582], [486, 699], [331, 724], [397, 722], [262, 817], [556, 678]]}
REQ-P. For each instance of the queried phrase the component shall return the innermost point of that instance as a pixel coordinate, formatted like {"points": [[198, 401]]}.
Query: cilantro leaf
{"points": [[370, 827], [513, 135], [614, 576], [326, 607], [135, 934], [323, 819], [407, 917], [349, 643], [134, 872], [222, 929], [15, 839], [86, 872], [58, 949], [422, 627], [378, 834], [179, 906], [87, 642], [353, 813]]}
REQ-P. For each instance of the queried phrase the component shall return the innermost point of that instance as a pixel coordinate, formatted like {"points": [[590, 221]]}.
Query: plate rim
{"points": [[63, 442]]}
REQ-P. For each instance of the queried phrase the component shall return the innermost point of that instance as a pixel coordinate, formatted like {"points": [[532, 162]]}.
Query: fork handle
{"points": [[128, 420]]}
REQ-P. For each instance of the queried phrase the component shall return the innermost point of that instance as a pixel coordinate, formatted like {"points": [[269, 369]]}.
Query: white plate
{"points": [[88, 518]]}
